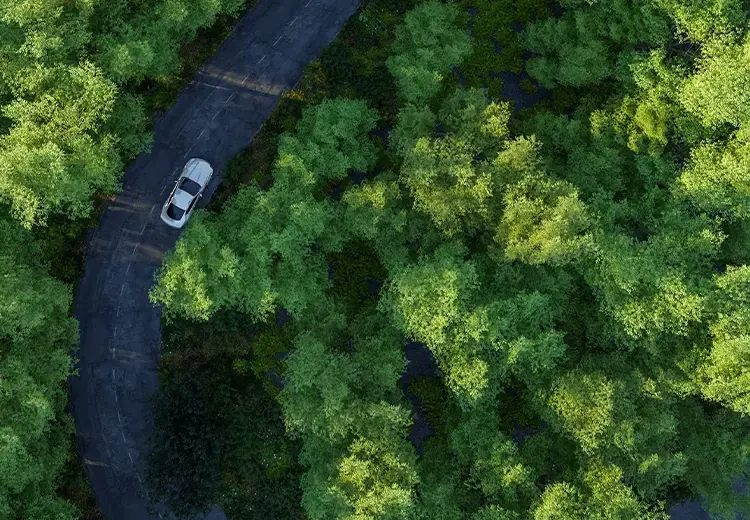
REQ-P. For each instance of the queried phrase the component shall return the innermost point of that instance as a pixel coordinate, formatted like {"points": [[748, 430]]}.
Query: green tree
{"points": [[68, 87], [726, 378], [715, 93], [53, 159], [716, 179], [260, 246], [345, 408], [427, 45], [36, 336], [699, 20], [582, 47], [575, 272], [442, 174], [139, 42], [543, 222]]}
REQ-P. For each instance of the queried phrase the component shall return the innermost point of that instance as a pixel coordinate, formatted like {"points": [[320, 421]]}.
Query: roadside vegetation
{"points": [[79, 84], [577, 269]]}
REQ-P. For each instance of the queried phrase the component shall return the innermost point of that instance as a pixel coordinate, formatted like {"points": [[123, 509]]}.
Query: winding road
{"points": [[215, 117]]}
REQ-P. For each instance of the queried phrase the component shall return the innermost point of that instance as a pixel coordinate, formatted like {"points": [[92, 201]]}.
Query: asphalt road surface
{"points": [[216, 116]]}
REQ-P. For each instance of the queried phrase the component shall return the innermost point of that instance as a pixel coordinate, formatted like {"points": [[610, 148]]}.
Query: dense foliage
{"points": [[36, 336], [578, 271]]}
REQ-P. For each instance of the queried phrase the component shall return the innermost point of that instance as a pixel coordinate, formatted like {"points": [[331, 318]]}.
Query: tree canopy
{"points": [[574, 270], [36, 336]]}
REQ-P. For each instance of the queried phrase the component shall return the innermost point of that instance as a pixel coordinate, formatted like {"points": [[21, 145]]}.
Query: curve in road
{"points": [[216, 116]]}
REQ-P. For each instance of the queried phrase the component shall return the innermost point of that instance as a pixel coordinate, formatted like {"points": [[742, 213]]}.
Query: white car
{"points": [[187, 190]]}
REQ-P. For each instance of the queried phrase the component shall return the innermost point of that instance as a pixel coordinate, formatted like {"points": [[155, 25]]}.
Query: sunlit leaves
{"points": [[727, 377], [429, 296], [717, 93], [699, 20], [560, 501], [52, 160], [445, 175], [445, 185], [717, 179], [543, 222]]}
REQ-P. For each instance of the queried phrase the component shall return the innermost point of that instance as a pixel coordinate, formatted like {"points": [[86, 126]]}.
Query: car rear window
{"points": [[174, 212], [190, 186]]}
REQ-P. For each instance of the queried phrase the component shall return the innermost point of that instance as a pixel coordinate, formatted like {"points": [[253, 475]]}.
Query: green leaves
{"points": [[69, 128], [332, 142], [428, 297], [560, 501], [571, 281], [36, 335], [716, 93], [259, 252], [699, 20], [444, 184], [543, 222], [580, 48], [144, 42], [427, 45], [188, 280], [726, 378], [716, 443], [717, 180], [379, 478], [52, 159], [445, 177], [344, 408]]}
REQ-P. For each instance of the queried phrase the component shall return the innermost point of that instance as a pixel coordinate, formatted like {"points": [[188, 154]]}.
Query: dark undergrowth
{"points": [[75, 487], [219, 433]]}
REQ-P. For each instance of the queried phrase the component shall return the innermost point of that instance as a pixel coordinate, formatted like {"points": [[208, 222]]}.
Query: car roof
{"points": [[182, 199], [197, 170]]}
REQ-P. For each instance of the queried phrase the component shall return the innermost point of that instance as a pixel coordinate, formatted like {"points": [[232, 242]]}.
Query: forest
{"points": [[489, 260]]}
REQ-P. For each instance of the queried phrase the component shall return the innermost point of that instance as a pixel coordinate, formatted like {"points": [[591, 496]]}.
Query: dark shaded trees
{"points": [[220, 439]]}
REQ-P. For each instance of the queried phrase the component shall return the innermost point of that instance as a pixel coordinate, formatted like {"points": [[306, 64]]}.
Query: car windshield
{"points": [[174, 212], [190, 186]]}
